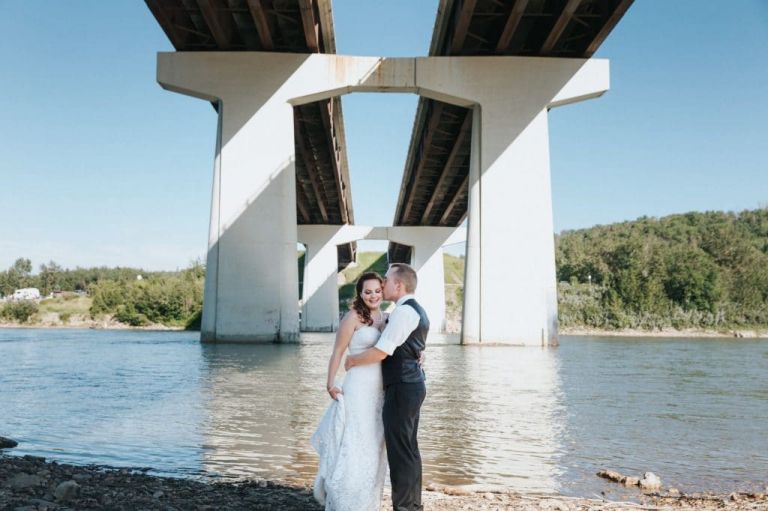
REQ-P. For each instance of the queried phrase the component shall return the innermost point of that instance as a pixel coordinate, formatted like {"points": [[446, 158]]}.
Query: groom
{"points": [[399, 349]]}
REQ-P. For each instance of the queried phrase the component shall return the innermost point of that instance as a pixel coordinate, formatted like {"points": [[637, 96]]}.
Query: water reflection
{"points": [[259, 400], [489, 417]]}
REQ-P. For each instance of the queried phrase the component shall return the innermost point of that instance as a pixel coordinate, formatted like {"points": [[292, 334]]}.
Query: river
{"points": [[693, 411]]}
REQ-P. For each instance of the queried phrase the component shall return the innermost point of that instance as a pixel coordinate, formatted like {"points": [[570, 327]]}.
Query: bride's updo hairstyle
{"points": [[358, 305]]}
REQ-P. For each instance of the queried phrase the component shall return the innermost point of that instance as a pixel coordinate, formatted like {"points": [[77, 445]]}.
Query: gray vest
{"points": [[403, 365]]}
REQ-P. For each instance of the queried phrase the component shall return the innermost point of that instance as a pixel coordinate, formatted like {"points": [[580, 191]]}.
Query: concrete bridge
{"points": [[479, 152]]}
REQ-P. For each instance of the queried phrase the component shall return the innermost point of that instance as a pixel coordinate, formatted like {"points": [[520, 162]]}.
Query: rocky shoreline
{"points": [[29, 483]]}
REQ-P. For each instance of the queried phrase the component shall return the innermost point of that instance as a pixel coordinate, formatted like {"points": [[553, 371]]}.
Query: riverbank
{"points": [[108, 323], [666, 332], [75, 322], [31, 483]]}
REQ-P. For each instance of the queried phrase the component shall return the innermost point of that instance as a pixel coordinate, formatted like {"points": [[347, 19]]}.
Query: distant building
{"points": [[27, 293]]}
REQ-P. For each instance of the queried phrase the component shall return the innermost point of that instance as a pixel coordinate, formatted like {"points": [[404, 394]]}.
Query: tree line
{"points": [[133, 296], [694, 270], [706, 270]]}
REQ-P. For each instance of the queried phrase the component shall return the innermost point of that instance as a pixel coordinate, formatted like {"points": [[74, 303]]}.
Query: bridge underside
{"points": [[288, 26], [434, 189], [280, 157]]}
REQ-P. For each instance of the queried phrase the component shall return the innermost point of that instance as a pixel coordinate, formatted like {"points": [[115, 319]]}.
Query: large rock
{"points": [[7, 443], [650, 481], [67, 490]]}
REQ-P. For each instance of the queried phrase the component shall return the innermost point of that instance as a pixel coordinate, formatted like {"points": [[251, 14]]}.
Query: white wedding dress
{"points": [[350, 437]]}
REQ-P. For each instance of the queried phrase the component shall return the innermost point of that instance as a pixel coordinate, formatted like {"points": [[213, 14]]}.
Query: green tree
{"points": [[49, 277]]}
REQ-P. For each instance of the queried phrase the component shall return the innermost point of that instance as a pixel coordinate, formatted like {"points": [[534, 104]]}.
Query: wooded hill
{"points": [[705, 270]]}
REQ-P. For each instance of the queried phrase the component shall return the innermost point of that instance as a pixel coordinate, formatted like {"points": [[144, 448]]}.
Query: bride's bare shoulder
{"points": [[351, 320]]}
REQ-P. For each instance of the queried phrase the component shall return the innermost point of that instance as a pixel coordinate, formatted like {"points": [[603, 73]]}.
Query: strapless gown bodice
{"points": [[363, 338]]}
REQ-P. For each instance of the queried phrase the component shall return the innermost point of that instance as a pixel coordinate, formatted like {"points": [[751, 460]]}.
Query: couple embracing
{"points": [[379, 402]]}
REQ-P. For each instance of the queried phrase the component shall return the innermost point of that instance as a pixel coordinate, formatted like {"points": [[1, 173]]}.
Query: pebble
{"points": [[111, 489]]}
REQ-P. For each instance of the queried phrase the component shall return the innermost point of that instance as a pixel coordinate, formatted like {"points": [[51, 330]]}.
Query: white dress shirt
{"points": [[402, 322]]}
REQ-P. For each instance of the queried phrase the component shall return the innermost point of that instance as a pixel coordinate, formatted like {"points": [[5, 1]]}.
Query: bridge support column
{"points": [[429, 265], [320, 297], [427, 259], [251, 289], [510, 293], [510, 289]]}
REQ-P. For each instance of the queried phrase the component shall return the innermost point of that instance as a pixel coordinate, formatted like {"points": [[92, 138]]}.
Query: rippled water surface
{"points": [[693, 411]]}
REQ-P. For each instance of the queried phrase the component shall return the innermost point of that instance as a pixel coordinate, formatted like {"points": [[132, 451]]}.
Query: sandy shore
{"points": [[30, 483]]}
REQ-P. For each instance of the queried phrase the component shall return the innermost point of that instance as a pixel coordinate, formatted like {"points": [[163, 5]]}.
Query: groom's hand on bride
{"points": [[334, 392]]}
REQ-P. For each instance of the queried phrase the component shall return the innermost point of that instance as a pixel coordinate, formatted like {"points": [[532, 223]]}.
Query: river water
{"points": [[694, 411]]}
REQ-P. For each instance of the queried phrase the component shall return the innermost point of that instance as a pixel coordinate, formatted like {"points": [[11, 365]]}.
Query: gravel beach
{"points": [[29, 483]]}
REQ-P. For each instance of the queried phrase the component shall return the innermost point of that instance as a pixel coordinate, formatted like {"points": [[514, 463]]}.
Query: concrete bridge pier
{"points": [[427, 259], [251, 288], [510, 293], [320, 297]]}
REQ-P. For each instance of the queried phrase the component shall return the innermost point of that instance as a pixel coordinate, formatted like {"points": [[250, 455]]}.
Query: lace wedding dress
{"points": [[350, 437]]}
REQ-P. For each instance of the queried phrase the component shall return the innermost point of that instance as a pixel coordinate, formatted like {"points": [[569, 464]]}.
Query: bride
{"points": [[350, 437]]}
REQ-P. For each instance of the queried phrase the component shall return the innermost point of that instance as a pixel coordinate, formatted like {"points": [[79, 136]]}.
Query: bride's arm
{"points": [[343, 336]]}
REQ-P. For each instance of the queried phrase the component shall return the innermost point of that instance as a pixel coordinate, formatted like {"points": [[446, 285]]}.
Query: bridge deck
{"points": [[323, 194], [434, 189]]}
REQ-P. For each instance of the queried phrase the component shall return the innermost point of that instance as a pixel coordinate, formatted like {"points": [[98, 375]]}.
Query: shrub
{"points": [[20, 311]]}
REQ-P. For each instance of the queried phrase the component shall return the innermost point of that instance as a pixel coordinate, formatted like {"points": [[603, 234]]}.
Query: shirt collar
{"points": [[404, 299]]}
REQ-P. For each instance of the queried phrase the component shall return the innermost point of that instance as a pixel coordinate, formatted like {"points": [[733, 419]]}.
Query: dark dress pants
{"points": [[402, 405]]}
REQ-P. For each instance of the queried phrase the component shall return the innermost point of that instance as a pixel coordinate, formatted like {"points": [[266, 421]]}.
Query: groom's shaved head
{"points": [[405, 274]]}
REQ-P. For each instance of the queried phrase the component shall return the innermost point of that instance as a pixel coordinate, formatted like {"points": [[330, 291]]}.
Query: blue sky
{"points": [[100, 166]]}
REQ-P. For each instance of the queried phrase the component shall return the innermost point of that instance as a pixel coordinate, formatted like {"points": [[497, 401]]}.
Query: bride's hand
{"points": [[334, 391], [422, 358]]}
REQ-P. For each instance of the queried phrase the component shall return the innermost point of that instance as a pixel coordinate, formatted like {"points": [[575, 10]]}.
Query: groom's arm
{"points": [[402, 322], [369, 356]]}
